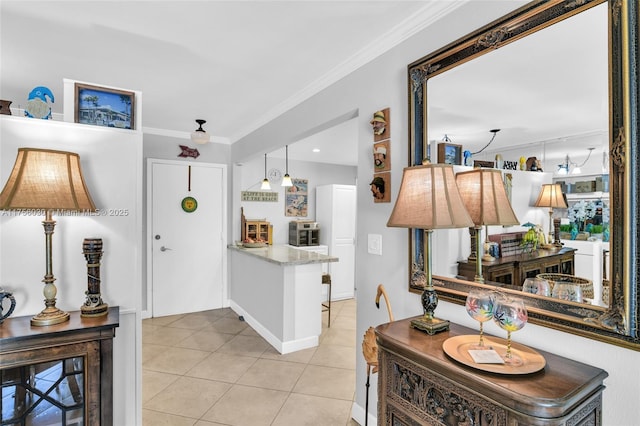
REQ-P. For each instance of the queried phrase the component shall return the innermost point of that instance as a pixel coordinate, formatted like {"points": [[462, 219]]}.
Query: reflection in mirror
{"points": [[550, 76], [533, 90]]}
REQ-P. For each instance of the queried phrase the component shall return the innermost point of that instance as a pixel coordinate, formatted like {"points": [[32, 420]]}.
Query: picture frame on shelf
{"points": [[105, 107], [449, 153], [484, 164]]}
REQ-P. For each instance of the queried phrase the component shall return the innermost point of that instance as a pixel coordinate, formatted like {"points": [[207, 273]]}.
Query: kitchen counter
{"points": [[278, 291], [285, 255]]}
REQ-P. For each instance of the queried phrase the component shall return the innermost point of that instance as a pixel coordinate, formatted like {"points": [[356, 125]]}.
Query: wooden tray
{"points": [[457, 348]]}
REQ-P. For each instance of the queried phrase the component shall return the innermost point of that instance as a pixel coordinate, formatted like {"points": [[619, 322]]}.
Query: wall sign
{"points": [[265, 196]]}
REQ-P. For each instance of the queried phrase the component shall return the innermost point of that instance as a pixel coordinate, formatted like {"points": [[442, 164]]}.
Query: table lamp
{"points": [[428, 199], [49, 181], [483, 194], [551, 196]]}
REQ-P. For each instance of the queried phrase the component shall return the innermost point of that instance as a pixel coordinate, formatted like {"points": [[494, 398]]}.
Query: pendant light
{"points": [[265, 182], [286, 180]]}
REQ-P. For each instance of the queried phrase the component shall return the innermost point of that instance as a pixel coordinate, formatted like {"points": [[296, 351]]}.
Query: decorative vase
{"points": [[574, 232]]}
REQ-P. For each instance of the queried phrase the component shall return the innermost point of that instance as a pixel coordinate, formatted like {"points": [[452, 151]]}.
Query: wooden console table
{"points": [[512, 270], [58, 374], [419, 384]]}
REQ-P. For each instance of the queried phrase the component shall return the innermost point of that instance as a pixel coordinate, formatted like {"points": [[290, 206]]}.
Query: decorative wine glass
{"points": [[479, 306], [511, 315]]}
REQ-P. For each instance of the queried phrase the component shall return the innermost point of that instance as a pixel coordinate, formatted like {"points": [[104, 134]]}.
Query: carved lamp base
{"points": [[430, 325], [94, 306]]}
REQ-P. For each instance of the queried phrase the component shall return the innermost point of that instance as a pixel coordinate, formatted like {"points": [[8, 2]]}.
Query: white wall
{"points": [[111, 162], [383, 83]]}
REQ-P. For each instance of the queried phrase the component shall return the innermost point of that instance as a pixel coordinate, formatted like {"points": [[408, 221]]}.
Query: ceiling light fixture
{"points": [[266, 186], [569, 166], [200, 136], [495, 132], [286, 180]]}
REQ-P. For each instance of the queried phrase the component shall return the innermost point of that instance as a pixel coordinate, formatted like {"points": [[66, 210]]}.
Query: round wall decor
{"points": [[189, 204]]}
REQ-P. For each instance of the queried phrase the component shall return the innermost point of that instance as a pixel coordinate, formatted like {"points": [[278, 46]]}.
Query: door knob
{"points": [[163, 248]]}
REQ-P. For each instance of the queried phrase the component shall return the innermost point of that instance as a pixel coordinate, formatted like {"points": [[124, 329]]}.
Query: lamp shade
{"points": [[48, 180], [485, 198], [429, 199], [551, 196]]}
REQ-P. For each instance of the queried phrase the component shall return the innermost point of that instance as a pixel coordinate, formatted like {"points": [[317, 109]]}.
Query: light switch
{"points": [[374, 244]]}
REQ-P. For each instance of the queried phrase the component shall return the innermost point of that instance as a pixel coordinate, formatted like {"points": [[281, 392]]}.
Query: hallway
{"points": [[210, 368]]}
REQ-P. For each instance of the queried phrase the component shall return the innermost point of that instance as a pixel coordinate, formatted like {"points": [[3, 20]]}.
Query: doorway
{"points": [[186, 237]]}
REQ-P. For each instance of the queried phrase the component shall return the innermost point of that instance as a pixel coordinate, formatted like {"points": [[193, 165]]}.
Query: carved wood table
{"points": [[58, 374], [419, 384]]}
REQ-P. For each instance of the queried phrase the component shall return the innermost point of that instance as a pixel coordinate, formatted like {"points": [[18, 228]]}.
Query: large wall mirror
{"points": [[601, 108]]}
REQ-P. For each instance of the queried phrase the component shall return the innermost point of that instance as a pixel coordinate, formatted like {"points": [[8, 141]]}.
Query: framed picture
{"points": [[101, 106], [296, 201], [449, 153], [484, 164]]}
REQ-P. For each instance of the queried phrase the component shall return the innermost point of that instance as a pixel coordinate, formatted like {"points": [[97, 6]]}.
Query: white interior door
{"points": [[343, 244], [187, 248]]}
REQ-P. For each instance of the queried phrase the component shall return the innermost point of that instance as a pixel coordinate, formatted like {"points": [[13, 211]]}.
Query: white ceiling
{"points": [[236, 64], [239, 64]]}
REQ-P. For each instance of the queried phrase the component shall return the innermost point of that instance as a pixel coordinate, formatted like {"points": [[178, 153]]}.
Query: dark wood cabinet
{"points": [[512, 270], [58, 374], [418, 384]]}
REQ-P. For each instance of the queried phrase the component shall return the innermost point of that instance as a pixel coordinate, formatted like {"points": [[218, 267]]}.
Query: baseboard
{"points": [[279, 345], [357, 414]]}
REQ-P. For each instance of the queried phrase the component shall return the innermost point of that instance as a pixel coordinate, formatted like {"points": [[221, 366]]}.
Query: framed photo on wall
{"points": [[101, 106], [296, 201], [449, 153]]}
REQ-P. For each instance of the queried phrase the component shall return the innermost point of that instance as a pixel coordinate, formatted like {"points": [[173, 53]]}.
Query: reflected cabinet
{"points": [[418, 384], [513, 270], [60, 374]]}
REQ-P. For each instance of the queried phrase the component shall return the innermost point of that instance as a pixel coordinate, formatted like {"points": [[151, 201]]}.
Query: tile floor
{"points": [[210, 368]]}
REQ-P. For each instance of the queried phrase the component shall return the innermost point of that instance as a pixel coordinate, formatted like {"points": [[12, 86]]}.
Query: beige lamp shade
{"points": [[48, 180], [551, 196], [485, 198], [429, 199]]}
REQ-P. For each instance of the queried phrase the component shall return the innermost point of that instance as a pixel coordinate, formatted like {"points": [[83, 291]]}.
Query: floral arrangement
{"points": [[532, 238], [582, 211]]}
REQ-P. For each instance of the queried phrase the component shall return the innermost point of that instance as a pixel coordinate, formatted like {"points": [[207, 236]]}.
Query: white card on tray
{"points": [[485, 356]]}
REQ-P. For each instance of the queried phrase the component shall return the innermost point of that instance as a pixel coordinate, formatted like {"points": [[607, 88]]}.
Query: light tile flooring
{"points": [[210, 368]]}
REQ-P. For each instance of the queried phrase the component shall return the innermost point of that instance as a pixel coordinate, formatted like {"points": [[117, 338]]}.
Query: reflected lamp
{"points": [[50, 181], [551, 196], [485, 198], [428, 199]]}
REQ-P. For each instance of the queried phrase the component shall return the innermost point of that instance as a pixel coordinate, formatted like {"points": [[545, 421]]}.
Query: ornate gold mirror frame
{"points": [[617, 324]]}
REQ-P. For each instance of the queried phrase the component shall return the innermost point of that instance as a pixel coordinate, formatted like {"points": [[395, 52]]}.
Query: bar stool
{"points": [[326, 279]]}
